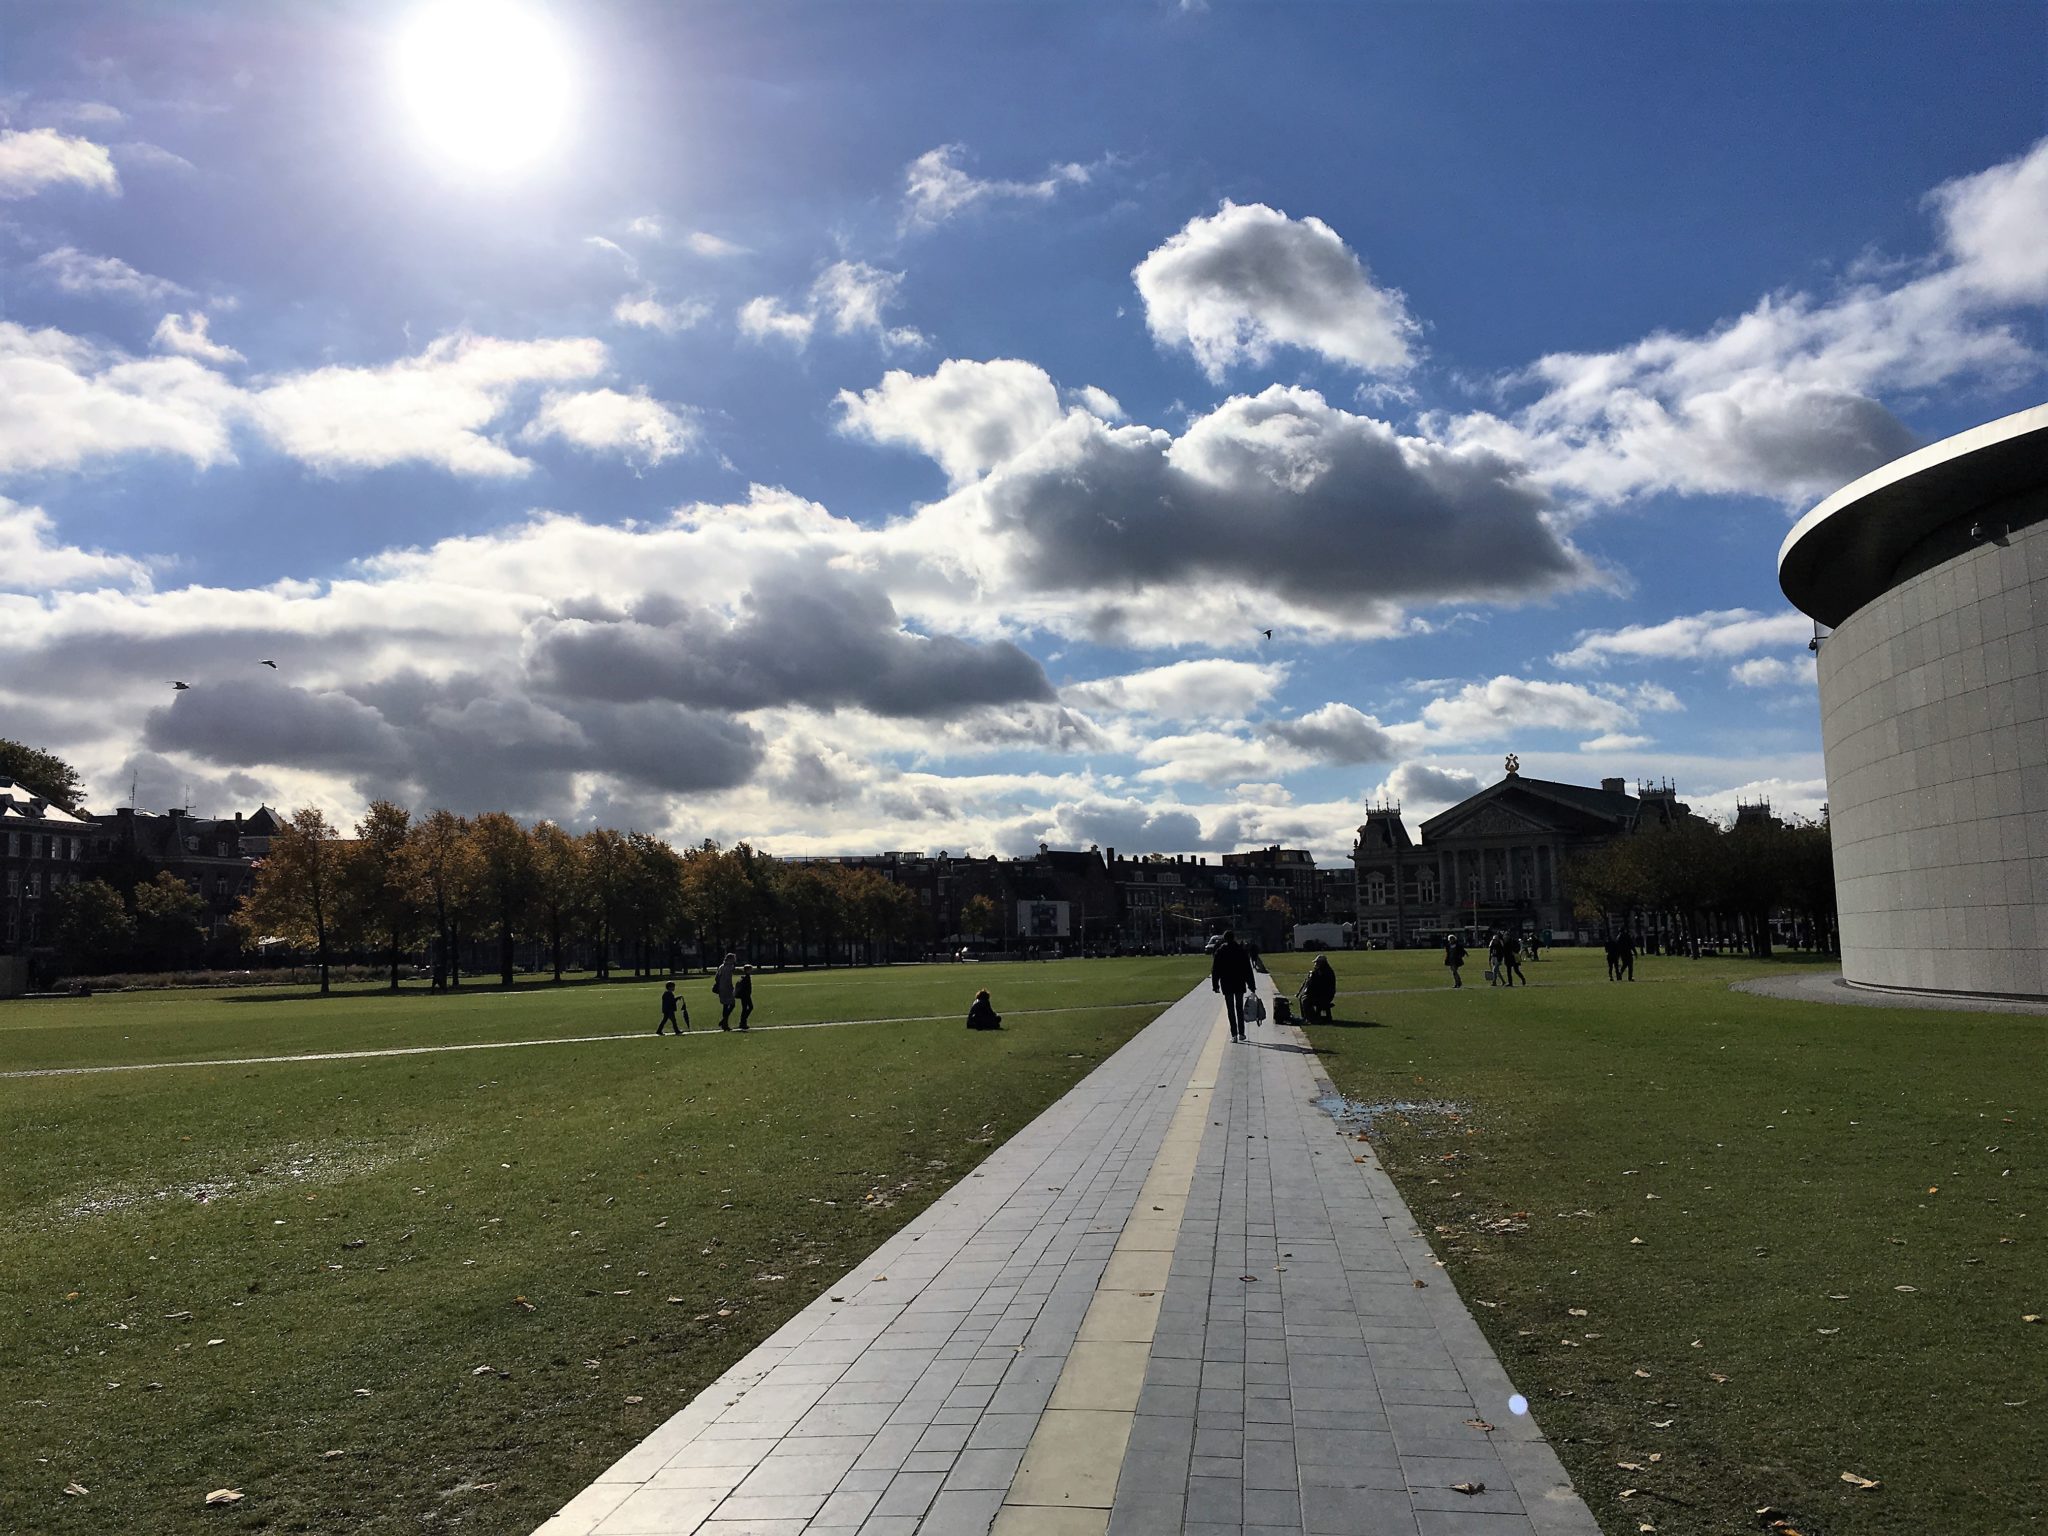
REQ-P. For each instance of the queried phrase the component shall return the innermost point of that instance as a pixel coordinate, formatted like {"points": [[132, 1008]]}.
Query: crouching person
{"points": [[983, 1014]]}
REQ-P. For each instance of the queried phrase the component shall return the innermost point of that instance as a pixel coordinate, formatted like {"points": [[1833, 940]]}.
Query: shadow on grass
{"points": [[416, 989], [1335, 1023]]}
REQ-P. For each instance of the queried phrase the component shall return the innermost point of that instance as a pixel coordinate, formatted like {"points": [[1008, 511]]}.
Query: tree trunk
{"points": [[505, 953], [455, 954], [320, 937], [555, 943], [394, 957]]}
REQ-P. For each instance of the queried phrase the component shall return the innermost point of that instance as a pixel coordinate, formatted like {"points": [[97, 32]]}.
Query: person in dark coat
{"points": [[669, 1000], [1454, 958], [743, 991], [1624, 958], [1319, 992], [1511, 959], [983, 1014], [1230, 972]]}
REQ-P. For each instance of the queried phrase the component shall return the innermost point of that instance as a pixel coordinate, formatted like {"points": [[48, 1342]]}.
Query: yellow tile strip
{"points": [[1067, 1480]]}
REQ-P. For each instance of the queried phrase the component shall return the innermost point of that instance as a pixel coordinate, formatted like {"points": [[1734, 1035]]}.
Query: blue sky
{"points": [[894, 426]]}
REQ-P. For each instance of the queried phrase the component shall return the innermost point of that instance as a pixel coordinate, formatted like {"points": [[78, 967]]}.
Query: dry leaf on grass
{"points": [[2030, 1317], [1626, 1493], [634, 1400], [224, 1496], [1827, 1330], [330, 1455], [1574, 1311], [1642, 1373], [1907, 1289], [1630, 1466], [1858, 1482], [76, 1490]]}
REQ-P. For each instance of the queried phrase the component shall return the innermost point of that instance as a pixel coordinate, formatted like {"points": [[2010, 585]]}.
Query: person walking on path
{"points": [[669, 1002], [1454, 958], [1511, 958], [1230, 972], [743, 989], [983, 1015], [1497, 960], [1624, 958], [722, 989]]}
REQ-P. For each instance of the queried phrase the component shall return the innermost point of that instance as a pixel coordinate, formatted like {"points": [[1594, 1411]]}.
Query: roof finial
{"points": [[1514, 765]]}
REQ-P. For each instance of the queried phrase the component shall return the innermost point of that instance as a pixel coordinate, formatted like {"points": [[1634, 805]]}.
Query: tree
{"points": [[170, 922], [978, 917], [808, 897], [93, 930], [440, 869], [504, 880], [718, 895], [41, 773], [652, 902], [377, 882], [295, 894], [605, 860], [557, 885]]}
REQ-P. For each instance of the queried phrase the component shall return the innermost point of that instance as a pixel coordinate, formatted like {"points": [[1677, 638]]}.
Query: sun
{"points": [[487, 82]]}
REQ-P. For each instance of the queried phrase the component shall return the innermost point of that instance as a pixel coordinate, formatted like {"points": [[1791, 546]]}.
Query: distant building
{"points": [[43, 848], [215, 857], [1494, 860]]}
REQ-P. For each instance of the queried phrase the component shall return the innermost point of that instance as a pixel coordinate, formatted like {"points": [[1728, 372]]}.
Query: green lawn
{"points": [[374, 1233], [1764, 1242]]}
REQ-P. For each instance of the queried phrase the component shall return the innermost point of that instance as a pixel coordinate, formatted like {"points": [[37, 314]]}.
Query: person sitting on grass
{"points": [[983, 1014], [1319, 992]]}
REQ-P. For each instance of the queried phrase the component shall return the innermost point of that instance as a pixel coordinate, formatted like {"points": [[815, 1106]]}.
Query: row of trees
{"points": [[400, 884], [159, 925], [1711, 882]]}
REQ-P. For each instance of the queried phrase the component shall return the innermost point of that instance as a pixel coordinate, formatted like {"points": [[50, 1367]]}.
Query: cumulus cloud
{"points": [[1427, 784], [635, 427], [1125, 823], [1338, 733], [433, 408], [1212, 688], [1127, 531], [64, 401], [39, 158], [186, 335], [1715, 634], [966, 416], [1773, 672], [80, 272], [652, 314], [1237, 285], [936, 187], [1783, 401], [804, 634], [848, 297], [31, 559], [1501, 706]]}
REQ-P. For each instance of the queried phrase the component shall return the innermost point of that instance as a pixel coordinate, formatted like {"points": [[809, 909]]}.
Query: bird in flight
{"points": [[180, 687], [271, 664], [1267, 633]]}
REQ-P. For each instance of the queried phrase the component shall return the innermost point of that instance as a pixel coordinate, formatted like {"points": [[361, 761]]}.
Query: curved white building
{"points": [[1933, 574]]}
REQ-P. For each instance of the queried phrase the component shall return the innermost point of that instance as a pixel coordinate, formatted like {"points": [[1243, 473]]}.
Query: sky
{"points": [[1173, 427]]}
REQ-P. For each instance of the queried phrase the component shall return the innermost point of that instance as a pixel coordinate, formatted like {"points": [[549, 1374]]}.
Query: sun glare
{"points": [[487, 82]]}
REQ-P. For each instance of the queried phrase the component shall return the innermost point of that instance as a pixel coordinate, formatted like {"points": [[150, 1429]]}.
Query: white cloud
{"points": [[1213, 757], [91, 114], [1783, 401], [80, 272], [1235, 286], [154, 157], [38, 158], [186, 334], [1773, 672], [966, 416], [64, 401], [1426, 786], [847, 297], [1212, 688], [1502, 706], [764, 317], [430, 409], [935, 187], [1689, 637], [650, 313], [31, 560], [704, 243], [1338, 733], [605, 421]]}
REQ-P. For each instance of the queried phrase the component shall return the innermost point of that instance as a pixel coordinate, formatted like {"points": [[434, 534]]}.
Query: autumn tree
{"points": [[653, 896], [808, 898], [41, 773], [606, 865], [440, 868], [557, 885], [378, 883], [295, 896], [978, 917], [504, 881]]}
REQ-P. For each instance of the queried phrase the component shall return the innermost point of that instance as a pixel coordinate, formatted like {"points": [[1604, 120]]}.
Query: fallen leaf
{"points": [[483, 1370], [1630, 1466], [1626, 1493], [1636, 1242], [76, 1490], [211, 1342], [1574, 1311], [1642, 1373], [1422, 1285], [1716, 1376], [362, 1391], [523, 1304], [1479, 1424], [2030, 1317], [1858, 1482], [224, 1496], [1662, 1424], [1656, 1456], [1825, 1331], [1470, 1490], [330, 1455], [1838, 1295], [1907, 1289], [632, 1400]]}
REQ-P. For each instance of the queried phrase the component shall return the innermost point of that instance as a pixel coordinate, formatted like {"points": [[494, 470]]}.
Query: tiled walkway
{"points": [[1026, 1358]]}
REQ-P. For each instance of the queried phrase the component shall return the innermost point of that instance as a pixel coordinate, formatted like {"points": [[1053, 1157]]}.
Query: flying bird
{"points": [[271, 664], [1267, 633], [180, 687]]}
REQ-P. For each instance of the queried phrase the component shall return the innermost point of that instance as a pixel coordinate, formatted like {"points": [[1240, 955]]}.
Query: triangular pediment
{"points": [[1487, 819]]}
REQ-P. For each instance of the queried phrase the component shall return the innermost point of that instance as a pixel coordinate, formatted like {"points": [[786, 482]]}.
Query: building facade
{"points": [[1932, 573], [43, 848]]}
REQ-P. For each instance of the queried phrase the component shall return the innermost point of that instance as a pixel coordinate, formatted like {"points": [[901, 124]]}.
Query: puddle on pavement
{"points": [[1356, 1117]]}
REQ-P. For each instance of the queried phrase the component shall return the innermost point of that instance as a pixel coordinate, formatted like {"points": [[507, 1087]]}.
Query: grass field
{"points": [[1732, 1247], [445, 1290]]}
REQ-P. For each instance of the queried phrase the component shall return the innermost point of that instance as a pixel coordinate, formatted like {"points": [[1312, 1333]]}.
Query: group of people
{"points": [[732, 984], [1621, 958], [1503, 959]]}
